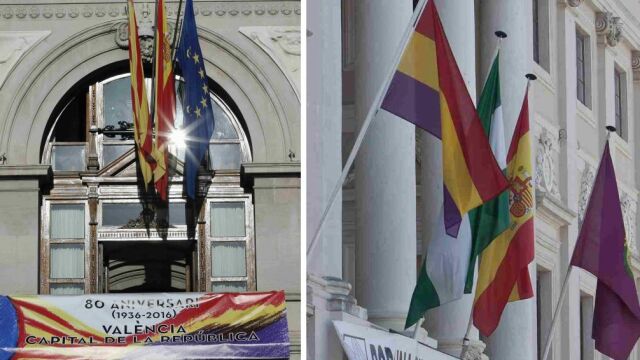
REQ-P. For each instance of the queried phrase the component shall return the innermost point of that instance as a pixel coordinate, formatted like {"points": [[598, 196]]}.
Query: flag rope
{"points": [[373, 111], [563, 291]]}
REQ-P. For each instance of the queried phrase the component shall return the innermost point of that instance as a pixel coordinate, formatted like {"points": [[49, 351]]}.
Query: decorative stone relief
{"points": [[629, 207], [282, 43], [14, 44], [609, 28], [635, 65], [473, 351], [545, 173], [572, 3], [100, 10], [145, 34], [586, 184]]}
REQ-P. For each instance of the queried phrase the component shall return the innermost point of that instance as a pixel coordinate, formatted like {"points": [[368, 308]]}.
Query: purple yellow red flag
{"points": [[143, 134], [165, 102], [503, 274], [601, 249], [428, 90]]}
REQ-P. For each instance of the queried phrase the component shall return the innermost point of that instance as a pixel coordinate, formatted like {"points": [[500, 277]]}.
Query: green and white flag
{"points": [[448, 268], [489, 220]]}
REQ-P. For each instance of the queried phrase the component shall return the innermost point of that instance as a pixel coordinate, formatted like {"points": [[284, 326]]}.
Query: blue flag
{"points": [[196, 103]]}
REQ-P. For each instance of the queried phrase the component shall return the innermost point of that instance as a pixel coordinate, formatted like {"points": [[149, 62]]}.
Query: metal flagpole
{"points": [[563, 293], [373, 110], [153, 67], [175, 34]]}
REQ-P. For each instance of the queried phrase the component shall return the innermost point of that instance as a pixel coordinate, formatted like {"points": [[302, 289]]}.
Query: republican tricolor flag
{"points": [[428, 90]]}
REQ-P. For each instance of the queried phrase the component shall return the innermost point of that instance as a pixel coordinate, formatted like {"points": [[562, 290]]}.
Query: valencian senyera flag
{"points": [[492, 218], [198, 113], [601, 249], [143, 133], [250, 325], [503, 274], [165, 101], [428, 90]]}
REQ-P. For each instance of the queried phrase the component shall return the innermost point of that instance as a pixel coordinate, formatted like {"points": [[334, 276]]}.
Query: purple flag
{"points": [[600, 250]]}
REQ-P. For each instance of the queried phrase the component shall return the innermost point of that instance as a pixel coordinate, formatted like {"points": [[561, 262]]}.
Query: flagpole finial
{"points": [[531, 77], [610, 128], [501, 34]]}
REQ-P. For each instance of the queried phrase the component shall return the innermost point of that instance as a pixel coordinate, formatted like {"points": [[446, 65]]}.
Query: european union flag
{"points": [[196, 103]]}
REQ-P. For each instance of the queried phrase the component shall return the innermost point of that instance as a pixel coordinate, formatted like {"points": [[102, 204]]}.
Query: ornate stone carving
{"points": [[609, 28], [14, 44], [473, 351], [145, 34], [635, 65], [282, 43], [629, 208], [545, 169], [574, 3], [99, 10], [586, 184]]}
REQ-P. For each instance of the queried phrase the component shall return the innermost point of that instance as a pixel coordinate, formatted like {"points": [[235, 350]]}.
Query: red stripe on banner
{"points": [[483, 167], [425, 23], [522, 127], [489, 306], [44, 312], [525, 290]]}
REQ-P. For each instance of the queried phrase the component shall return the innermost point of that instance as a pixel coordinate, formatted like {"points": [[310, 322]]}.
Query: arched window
{"points": [[95, 235]]}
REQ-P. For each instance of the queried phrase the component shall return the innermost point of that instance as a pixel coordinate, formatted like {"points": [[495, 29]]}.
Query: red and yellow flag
{"points": [[141, 125], [165, 100], [503, 274], [428, 90]]}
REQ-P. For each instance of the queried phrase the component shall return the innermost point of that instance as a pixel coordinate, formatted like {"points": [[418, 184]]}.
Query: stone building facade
{"points": [[71, 219], [586, 55]]}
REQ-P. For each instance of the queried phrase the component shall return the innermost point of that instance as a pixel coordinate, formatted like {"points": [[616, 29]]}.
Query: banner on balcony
{"points": [[367, 343], [132, 326]]}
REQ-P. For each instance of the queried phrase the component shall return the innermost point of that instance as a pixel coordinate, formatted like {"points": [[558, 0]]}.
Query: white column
{"points": [[327, 294], [514, 337], [448, 323], [324, 134], [385, 174]]}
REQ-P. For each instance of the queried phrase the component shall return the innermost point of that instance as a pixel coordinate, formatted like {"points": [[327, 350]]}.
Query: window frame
{"points": [[45, 247], [248, 239], [620, 102], [584, 57], [541, 34]]}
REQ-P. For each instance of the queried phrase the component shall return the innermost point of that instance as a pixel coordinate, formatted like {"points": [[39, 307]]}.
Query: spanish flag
{"points": [[141, 124], [503, 274], [165, 101], [428, 90]]}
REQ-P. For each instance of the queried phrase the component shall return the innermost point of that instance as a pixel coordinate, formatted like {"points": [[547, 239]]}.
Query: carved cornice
{"points": [[608, 28], [635, 65], [572, 3], [111, 10]]}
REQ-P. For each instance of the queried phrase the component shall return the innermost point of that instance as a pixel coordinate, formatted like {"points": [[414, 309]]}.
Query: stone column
{"points": [[20, 189], [448, 323], [513, 337], [385, 173]]}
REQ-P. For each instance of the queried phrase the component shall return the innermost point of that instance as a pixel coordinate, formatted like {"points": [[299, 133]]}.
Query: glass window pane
{"points": [[129, 214], [222, 129], [67, 261], [228, 259], [227, 219], [66, 289], [68, 158], [111, 152], [67, 221], [117, 101], [225, 156], [229, 286]]}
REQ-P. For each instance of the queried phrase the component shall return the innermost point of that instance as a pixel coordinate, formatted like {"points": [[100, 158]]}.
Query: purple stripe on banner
{"points": [[452, 217], [415, 102]]}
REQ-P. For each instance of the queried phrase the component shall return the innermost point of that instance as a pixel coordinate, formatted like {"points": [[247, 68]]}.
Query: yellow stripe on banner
{"points": [[455, 172], [59, 312], [420, 61], [29, 314], [515, 295]]}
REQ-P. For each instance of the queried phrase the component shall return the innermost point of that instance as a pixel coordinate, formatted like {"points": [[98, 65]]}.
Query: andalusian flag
{"points": [[165, 101], [503, 274], [492, 218], [428, 90], [140, 106]]}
